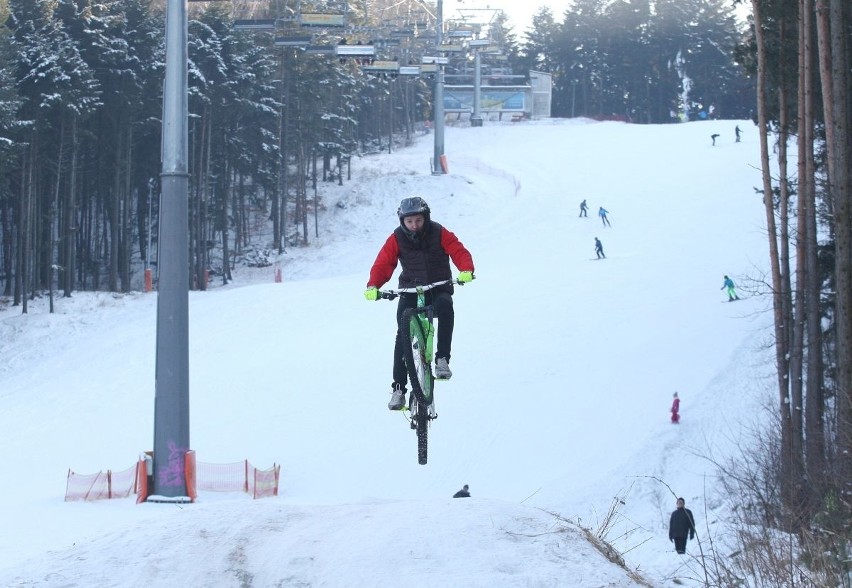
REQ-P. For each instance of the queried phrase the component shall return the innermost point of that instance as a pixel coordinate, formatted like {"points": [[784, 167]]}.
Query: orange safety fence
{"points": [[266, 482], [223, 477], [102, 485], [240, 476]]}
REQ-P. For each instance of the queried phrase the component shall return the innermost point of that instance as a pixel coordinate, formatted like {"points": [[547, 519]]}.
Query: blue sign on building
{"points": [[492, 99]]}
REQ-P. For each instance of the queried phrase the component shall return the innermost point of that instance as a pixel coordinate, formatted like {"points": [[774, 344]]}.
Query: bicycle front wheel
{"points": [[420, 423], [422, 383], [414, 350]]}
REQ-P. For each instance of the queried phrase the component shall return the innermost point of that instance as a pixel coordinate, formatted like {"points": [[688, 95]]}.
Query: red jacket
{"points": [[422, 262]]}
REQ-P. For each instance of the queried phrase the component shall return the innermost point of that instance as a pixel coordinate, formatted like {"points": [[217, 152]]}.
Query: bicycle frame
{"points": [[425, 318]]}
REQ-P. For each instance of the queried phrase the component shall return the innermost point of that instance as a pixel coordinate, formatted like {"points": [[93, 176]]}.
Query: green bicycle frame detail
{"points": [[427, 328], [421, 335]]}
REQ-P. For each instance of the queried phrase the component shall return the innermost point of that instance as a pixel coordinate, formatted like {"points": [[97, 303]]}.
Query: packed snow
{"points": [[557, 412]]}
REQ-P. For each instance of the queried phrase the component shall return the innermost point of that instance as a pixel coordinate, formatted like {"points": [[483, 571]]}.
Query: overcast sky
{"points": [[521, 11]]}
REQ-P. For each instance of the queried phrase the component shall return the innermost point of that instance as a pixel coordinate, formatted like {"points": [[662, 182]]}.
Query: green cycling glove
{"points": [[465, 277], [371, 293]]}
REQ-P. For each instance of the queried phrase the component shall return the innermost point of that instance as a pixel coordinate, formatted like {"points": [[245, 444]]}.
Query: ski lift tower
{"points": [[171, 400], [478, 46], [439, 165]]}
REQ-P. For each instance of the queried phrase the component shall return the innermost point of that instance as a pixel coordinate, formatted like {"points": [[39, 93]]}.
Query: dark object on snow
{"points": [[463, 493], [599, 249], [713, 136]]}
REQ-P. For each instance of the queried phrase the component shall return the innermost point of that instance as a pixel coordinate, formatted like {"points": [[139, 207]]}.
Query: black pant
{"points": [[442, 302], [680, 544]]}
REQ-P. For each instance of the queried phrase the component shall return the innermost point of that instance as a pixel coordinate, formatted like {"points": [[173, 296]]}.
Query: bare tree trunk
{"points": [[832, 30], [28, 193], [21, 214], [203, 197], [239, 211], [53, 213], [277, 241], [303, 191], [793, 325], [126, 230], [69, 253], [8, 245], [232, 179], [808, 272], [781, 334]]}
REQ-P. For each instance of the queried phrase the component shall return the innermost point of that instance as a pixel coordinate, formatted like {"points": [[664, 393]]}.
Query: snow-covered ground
{"points": [[564, 370]]}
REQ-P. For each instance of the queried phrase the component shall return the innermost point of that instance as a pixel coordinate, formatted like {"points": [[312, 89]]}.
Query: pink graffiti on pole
{"points": [[174, 473]]}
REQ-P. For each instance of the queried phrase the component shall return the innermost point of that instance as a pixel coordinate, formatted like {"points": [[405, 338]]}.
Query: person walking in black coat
{"points": [[463, 493], [681, 526]]}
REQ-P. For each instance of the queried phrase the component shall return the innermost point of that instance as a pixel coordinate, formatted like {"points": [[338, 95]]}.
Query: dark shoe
{"points": [[397, 400]]}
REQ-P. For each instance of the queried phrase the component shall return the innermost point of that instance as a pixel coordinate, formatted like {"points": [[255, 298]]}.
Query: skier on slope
{"points": [[732, 293]]}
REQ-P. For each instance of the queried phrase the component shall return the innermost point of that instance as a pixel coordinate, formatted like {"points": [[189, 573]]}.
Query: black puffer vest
{"points": [[422, 258]]}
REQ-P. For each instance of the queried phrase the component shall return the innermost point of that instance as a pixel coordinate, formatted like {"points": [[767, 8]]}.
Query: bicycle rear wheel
{"points": [[422, 382]]}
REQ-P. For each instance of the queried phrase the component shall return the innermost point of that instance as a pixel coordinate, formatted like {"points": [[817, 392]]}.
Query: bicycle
{"points": [[418, 329]]}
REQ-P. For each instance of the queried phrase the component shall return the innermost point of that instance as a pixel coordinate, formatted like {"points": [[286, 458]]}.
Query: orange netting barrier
{"points": [[232, 477], [223, 477], [101, 486], [266, 482]]}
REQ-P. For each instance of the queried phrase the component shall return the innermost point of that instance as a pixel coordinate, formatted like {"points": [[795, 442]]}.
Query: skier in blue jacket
{"points": [[729, 284]]}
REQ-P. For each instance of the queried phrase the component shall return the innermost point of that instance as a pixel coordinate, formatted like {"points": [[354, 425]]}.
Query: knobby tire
{"points": [[422, 382]]}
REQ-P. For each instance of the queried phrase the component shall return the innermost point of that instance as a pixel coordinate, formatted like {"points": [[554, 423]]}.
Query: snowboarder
{"points": [[713, 137], [583, 209], [602, 212], [729, 284], [463, 493], [738, 131], [675, 409], [599, 249], [681, 526], [424, 249]]}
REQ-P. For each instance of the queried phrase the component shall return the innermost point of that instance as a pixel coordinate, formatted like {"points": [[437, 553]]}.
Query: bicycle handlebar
{"points": [[391, 294]]}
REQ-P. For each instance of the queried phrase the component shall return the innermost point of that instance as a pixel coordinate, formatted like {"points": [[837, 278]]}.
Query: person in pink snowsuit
{"points": [[675, 409]]}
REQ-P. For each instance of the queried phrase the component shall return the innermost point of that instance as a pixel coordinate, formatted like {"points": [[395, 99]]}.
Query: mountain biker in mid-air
{"points": [[424, 249]]}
